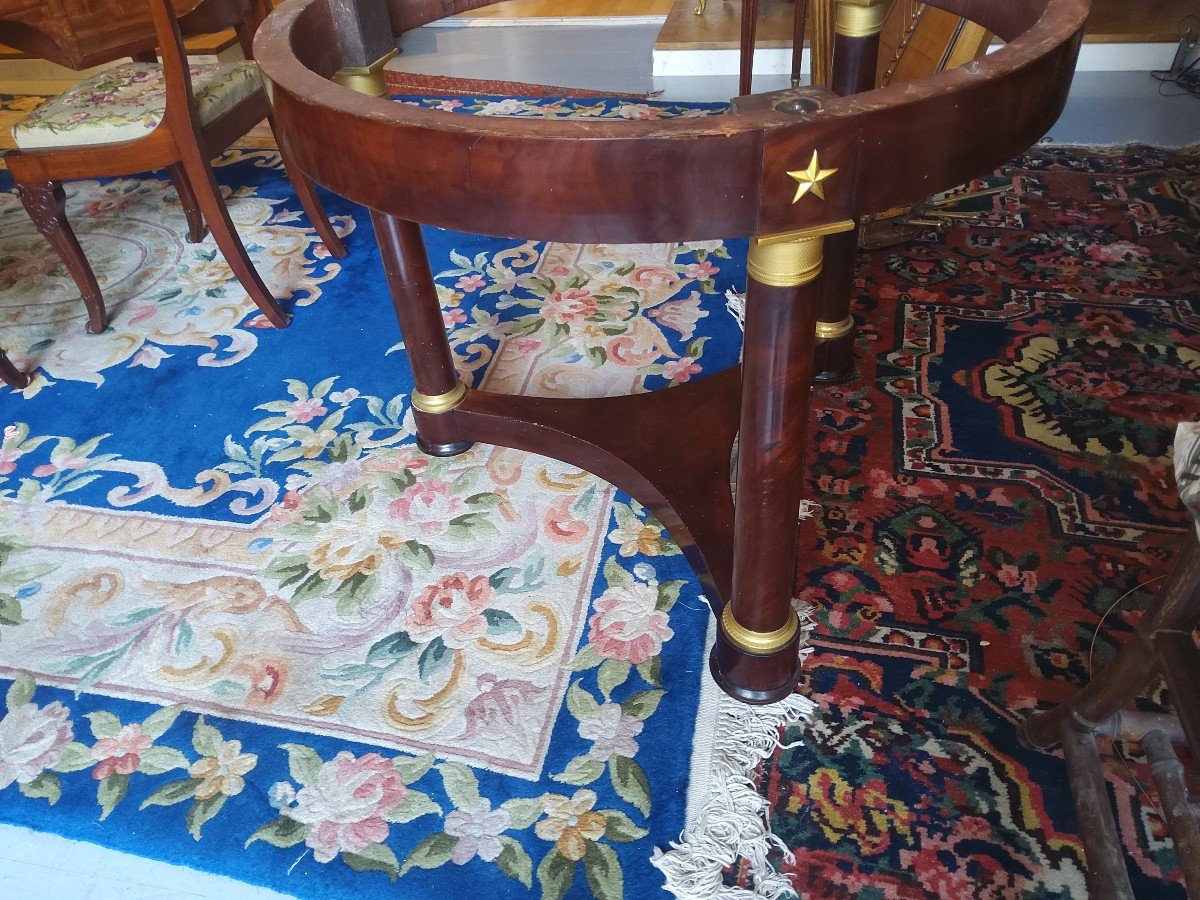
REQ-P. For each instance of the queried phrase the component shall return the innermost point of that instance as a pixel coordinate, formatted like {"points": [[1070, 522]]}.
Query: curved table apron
{"points": [[791, 170]]}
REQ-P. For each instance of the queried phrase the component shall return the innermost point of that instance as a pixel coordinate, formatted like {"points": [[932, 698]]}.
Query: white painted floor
{"points": [[1104, 108], [38, 866]]}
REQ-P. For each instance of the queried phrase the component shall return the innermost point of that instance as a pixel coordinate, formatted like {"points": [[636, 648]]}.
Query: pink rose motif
{"points": [[31, 741], [701, 271], [626, 626], [304, 411], [120, 755], [451, 317], [451, 610], [470, 283], [405, 459], [428, 505], [572, 305], [348, 804], [682, 369], [259, 321], [449, 105], [347, 396]]}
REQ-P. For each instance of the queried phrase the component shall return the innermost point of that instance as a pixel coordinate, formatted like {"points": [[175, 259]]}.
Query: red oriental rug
{"points": [[993, 483]]}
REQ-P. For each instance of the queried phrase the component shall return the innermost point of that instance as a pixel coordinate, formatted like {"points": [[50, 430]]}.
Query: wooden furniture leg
{"points": [[756, 654], [1176, 609], [187, 199], [437, 388], [1162, 644], [309, 200], [799, 23], [834, 354], [11, 375], [45, 201], [212, 204], [746, 58], [857, 24]]}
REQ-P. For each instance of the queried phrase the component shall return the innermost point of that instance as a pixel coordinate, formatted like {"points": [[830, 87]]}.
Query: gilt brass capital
{"points": [[859, 18], [758, 643], [435, 404], [790, 259], [367, 80], [831, 331]]}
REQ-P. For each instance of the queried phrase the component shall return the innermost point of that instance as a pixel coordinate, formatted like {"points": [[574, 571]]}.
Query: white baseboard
{"points": [[778, 61], [681, 63], [543, 21]]}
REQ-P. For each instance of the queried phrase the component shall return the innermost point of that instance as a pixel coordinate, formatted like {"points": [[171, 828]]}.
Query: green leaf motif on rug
{"points": [[515, 862], [282, 832], [630, 783], [603, 871], [460, 784], [110, 792], [303, 762], [431, 853], [374, 858], [555, 875], [46, 786], [20, 691]]}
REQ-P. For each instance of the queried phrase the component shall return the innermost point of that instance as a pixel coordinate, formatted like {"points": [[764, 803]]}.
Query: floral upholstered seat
{"points": [[127, 102]]}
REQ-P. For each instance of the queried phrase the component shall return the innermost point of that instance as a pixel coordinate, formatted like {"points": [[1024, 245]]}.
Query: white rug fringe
{"points": [[733, 822], [735, 304]]}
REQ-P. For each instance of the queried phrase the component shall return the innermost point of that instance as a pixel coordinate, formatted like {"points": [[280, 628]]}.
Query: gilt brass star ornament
{"points": [[810, 179]]}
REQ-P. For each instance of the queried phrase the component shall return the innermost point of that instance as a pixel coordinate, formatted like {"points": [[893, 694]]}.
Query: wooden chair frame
{"points": [[181, 145]]}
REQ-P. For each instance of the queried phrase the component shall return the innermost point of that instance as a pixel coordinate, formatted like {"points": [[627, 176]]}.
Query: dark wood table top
{"points": [[82, 33]]}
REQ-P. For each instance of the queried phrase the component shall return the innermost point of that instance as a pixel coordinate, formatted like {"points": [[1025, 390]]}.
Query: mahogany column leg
{"points": [[857, 24], [749, 29], [835, 325], [45, 201], [756, 655], [187, 199], [437, 388], [11, 375]]}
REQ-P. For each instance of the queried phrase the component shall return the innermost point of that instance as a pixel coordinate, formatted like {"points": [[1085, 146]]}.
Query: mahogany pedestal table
{"points": [[788, 169]]}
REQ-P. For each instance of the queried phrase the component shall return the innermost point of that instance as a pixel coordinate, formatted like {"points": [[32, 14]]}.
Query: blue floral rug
{"points": [[247, 627]]}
